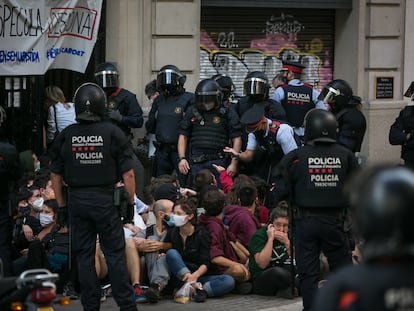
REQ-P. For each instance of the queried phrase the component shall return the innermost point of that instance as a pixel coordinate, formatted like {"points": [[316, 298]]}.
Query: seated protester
{"points": [[205, 177], [270, 261], [227, 255], [188, 259], [153, 248], [51, 250], [240, 216]]}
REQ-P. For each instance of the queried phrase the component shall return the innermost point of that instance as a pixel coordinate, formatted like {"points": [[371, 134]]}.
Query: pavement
{"points": [[232, 302]]}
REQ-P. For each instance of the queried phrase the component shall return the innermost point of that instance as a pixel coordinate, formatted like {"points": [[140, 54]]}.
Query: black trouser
{"points": [[314, 234], [5, 238], [272, 280], [91, 214]]}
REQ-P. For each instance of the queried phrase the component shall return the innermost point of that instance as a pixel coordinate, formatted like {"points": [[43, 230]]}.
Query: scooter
{"points": [[33, 290]]}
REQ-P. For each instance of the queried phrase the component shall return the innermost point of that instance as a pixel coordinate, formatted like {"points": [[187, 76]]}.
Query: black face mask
{"points": [[25, 210]]}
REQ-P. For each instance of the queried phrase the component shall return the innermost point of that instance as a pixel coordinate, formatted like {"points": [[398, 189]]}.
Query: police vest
{"points": [[297, 102], [269, 144], [170, 112], [87, 154], [321, 172], [209, 130]]}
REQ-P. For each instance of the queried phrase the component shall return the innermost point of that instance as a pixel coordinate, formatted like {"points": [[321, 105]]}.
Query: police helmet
{"points": [[170, 80], [90, 103], [337, 93], [107, 76], [382, 198], [320, 126], [256, 84], [207, 95], [410, 91], [226, 84]]}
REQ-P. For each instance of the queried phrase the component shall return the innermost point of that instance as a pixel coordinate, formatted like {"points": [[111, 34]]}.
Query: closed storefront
{"points": [[238, 40]]}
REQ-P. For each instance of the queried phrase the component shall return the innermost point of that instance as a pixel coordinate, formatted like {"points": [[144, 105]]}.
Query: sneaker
{"points": [[200, 294], [139, 294], [153, 293], [69, 291], [106, 291]]}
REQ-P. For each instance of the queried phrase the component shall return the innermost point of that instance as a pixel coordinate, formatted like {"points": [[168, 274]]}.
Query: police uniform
{"points": [[91, 157], [314, 176], [403, 125], [208, 132], [351, 128], [269, 146], [297, 98], [163, 120]]}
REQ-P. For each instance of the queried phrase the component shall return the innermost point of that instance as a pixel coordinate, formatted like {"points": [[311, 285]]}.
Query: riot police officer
{"points": [[123, 110], [296, 97], [346, 107], [382, 198], [206, 130], [402, 130], [10, 172], [167, 111], [90, 157], [312, 177]]}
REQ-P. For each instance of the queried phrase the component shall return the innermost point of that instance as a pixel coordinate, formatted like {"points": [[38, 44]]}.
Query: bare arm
{"points": [[57, 188], [129, 182]]}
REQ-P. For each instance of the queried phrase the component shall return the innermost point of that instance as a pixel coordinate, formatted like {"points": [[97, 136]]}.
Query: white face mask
{"points": [[38, 204], [180, 220], [45, 219]]}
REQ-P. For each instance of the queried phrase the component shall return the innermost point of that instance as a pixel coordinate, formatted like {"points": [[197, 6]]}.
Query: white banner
{"points": [[37, 35]]}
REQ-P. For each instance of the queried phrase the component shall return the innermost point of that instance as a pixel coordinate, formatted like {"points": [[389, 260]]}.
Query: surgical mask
{"points": [[25, 210], [38, 204], [37, 166], [45, 219], [180, 220], [169, 220]]}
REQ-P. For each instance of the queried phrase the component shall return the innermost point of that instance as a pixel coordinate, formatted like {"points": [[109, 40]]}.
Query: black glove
{"points": [[63, 216], [115, 115]]}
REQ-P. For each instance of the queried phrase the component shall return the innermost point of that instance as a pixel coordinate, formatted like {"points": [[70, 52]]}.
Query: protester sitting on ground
{"points": [[153, 249], [270, 257], [188, 259], [228, 256], [240, 215]]}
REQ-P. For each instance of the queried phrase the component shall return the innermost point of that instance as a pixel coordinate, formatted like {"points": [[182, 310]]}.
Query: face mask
{"points": [[45, 219], [169, 220], [179, 220], [38, 204], [25, 210], [37, 166]]}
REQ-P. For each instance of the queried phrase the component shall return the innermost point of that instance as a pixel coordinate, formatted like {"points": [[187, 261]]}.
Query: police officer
{"points": [[382, 198], [346, 107], [166, 113], [10, 172], [91, 156], [312, 177], [206, 130], [271, 138], [123, 110], [296, 97], [402, 130]]}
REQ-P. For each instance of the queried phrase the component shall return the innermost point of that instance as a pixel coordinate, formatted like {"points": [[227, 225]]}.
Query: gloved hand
{"points": [[115, 115]]}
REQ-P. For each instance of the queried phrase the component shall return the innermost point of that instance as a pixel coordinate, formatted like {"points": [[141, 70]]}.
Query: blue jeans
{"points": [[214, 285]]}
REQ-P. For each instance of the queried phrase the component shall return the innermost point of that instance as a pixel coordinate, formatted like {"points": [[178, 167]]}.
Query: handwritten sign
{"points": [[384, 88], [40, 35]]}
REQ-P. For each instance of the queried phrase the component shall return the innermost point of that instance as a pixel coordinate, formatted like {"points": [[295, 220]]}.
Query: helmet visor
{"points": [[167, 77], [107, 79], [207, 100], [255, 86], [328, 94]]}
